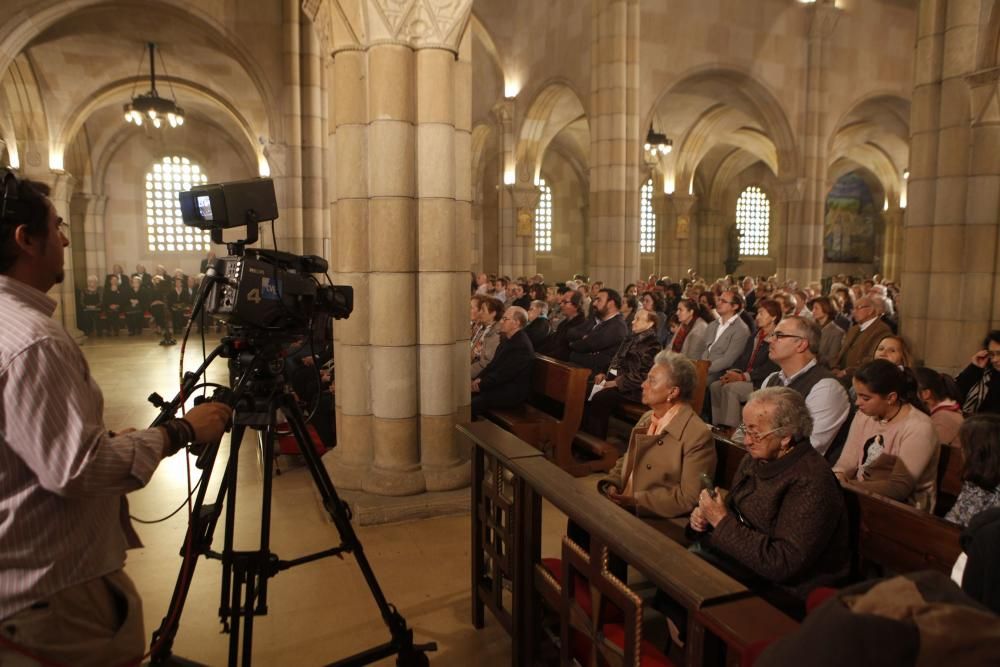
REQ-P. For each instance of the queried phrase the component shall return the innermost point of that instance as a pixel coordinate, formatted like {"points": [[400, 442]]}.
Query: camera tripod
{"points": [[258, 394]]}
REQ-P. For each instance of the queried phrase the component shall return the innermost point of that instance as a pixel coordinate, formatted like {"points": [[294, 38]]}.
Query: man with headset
{"points": [[64, 528]]}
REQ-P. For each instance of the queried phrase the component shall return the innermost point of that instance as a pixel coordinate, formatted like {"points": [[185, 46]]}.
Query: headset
{"points": [[10, 209]]}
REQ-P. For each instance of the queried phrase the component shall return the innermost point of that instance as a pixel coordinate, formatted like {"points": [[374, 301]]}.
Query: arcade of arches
{"points": [[407, 138]]}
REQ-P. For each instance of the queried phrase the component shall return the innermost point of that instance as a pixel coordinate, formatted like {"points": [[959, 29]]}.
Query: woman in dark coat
{"points": [[179, 302], [628, 369], [113, 304], [782, 529], [135, 301]]}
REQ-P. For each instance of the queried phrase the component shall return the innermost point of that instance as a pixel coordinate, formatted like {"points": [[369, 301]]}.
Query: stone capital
{"points": [[526, 195], [792, 189], [682, 203], [823, 18], [343, 25], [984, 87], [503, 113]]}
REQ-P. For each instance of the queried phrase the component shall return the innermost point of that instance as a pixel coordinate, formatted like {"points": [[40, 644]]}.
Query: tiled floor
{"points": [[321, 611]]}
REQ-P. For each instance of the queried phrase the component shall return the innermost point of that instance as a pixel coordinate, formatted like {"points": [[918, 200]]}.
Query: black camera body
{"points": [[252, 287]]}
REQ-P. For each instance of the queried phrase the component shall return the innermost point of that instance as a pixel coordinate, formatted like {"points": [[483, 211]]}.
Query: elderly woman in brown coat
{"points": [[784, 521], [669, 448]]}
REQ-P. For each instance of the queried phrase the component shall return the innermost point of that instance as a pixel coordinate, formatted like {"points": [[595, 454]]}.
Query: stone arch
{"points": [[727, 104], [874, 134], [119, 89], [556, 108], [17, 35], [24, 125]]}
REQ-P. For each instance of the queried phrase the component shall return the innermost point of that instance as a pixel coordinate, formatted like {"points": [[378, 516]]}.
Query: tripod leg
{"points": [[340, 514], [226, 611], [197, 541]]}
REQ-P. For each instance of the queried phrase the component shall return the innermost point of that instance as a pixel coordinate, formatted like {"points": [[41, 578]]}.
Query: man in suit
{"points": [[596, 348], [506, 381], [557, 345], [727, 336], [861, 339]]}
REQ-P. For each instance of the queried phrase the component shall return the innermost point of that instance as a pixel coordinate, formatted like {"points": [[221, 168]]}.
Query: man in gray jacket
{"points": [[727, 336]]}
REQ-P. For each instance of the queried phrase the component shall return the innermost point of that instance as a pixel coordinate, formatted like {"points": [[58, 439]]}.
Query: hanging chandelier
{"points": [[657, 142], [151, 107]]}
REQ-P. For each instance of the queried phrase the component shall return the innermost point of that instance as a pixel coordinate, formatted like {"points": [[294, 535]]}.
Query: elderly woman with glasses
{"points": [[783, 524]]}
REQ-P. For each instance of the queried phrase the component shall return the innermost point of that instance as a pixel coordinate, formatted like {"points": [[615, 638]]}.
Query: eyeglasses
{"points": [[994, 353], [754, 435], [506, 319], [778, 335], [62, 225], [726, 301]]}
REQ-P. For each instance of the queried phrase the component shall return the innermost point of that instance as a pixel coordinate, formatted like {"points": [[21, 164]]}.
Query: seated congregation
{"points": [[785, 437]]}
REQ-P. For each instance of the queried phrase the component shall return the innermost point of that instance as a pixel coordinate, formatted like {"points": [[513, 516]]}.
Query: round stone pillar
{"points": [[401, 210]]}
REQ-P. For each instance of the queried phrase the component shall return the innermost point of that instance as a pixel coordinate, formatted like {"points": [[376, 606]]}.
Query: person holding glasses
{"points": [[793, 346], [979, 383], [782, 529]]}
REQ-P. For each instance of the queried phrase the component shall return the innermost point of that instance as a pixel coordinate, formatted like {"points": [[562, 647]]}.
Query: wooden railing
{"points": [[510, 479]]}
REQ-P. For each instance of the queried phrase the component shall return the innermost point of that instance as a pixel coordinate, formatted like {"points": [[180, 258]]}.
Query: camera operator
{"points": [[64, 528]]}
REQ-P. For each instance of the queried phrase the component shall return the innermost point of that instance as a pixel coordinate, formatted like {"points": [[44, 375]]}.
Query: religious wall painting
{"points": [[852, 224]]}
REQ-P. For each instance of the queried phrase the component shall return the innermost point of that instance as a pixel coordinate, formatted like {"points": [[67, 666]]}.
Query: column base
{"points": [[345, 474], [385, 482], [448, 478]]}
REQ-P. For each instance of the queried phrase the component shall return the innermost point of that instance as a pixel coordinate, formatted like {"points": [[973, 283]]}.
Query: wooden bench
{"points": [[951, 464], [631, 411], [552, 416], [510, 577]]}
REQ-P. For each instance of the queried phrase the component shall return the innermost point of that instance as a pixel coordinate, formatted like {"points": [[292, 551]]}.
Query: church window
{"points": [[647, 220], [753, 220], [543, 218], [164, 230]]}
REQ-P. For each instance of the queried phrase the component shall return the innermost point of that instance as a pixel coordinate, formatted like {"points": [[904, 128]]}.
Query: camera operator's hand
{"points": [[209, 421]]}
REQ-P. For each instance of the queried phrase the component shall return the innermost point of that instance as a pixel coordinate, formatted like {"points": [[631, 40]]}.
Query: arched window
{"points": [[647, 220], [164, 230], [543, 219], [753, 219]]}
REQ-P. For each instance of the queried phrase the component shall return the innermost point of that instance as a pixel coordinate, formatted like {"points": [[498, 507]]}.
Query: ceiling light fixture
{"points": [[657, 142], [151, 106]]}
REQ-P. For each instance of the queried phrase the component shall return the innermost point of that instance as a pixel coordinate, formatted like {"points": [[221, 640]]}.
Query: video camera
{"points": [[252, 287]]}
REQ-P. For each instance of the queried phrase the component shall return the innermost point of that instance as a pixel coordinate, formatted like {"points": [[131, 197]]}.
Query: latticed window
{"points": [[543, 219], [164, 230], [647, 220], [753, 219]]}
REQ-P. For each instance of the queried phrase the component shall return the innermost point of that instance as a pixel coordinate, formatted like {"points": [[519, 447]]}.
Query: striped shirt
{"points": [[62, 477]]}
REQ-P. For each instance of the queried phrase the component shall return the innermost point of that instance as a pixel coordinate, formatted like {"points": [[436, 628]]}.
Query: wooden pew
{"points": [[509, 483], [552, 416], [631, 411], [900, 537], [951, 464]]}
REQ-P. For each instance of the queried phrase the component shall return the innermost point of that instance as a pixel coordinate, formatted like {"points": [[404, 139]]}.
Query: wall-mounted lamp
{"points": [[657, 142], [906, 174], [511, 88]]}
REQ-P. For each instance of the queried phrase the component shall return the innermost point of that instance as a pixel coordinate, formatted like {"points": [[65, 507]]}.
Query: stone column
{"points": [[711, 249], [791, 204], [892, 254], [804, 233], [61, 184], [678, 241], [314, 225], [517, 240], [950, 229], [88, 218], [615, 150], [400, 212], [285, 160]]}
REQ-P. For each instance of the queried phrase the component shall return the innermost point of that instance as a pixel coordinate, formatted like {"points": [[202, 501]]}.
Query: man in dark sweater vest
{"points": [[793, 346]]}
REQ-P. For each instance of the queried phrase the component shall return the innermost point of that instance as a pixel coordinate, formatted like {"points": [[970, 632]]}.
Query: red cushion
{"points": [[649, 655], [581, 592], [818, 596]]}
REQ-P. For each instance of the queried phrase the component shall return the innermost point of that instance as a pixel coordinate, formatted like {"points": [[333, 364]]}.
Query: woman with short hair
{"points": [[485, 349], [784, 519], [824, 311], [980, 438], [892, 447], [894, 349]]}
